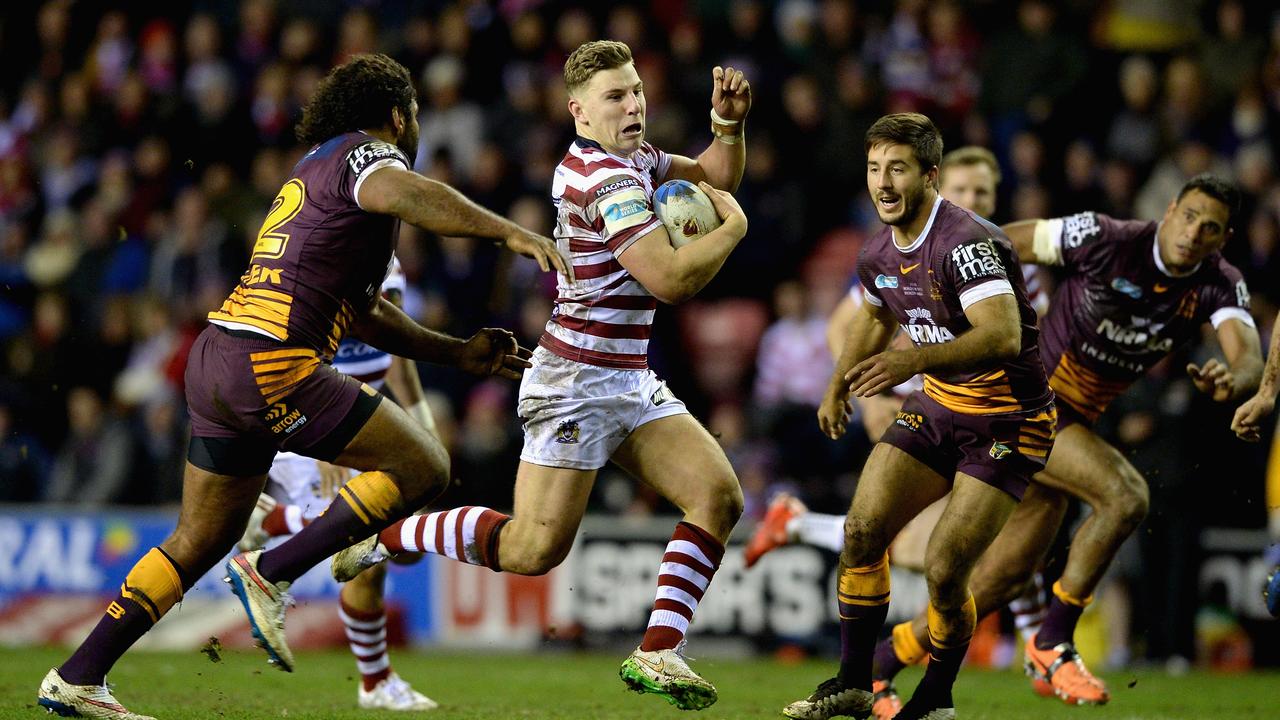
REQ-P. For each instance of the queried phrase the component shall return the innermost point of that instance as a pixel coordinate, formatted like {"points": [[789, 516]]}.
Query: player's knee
{"points": [[1000, 586], [538, 560], [728, 499], [946, 580], [864, 543], [1132, 501]]}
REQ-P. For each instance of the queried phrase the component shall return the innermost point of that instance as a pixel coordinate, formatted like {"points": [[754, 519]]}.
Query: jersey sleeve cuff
{"points": [[1231, 313], [991, 288], [866, 295], [373, 167]]}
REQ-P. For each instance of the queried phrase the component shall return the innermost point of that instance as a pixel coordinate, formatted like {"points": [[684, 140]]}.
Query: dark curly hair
{"points": [[356, 95]]}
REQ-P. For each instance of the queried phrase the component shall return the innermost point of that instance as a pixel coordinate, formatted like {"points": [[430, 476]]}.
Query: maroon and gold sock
{"points": [[863, 599], [154, 584], [367, 504]]}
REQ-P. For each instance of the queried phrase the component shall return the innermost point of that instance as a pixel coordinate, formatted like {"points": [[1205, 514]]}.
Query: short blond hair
{"points": [[971, 155], [592, 57]]}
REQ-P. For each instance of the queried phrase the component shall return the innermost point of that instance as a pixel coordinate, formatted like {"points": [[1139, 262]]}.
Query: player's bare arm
{"points": [[1240, 374], [722, 163], [438, 208], [1032, 242], [490, 351], [675, 275], [1247, 423], [870, 330], [840, 325], [995, 336]]}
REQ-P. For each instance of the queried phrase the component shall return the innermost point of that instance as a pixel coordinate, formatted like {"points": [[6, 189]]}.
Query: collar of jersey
{"points": [[915, 244], [1155, 253], [589, 143]]}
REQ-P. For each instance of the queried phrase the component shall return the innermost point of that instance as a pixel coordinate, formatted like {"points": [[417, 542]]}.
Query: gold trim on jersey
{"points": [[1083, 389], [341, 324], [267, 310], [278, 372], [986, 394], [1036, 434]]}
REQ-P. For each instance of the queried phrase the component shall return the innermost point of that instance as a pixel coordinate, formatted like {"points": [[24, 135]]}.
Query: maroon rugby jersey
{"points": [[604, 203], [319, 258], [1120, 310], [958, 260]]}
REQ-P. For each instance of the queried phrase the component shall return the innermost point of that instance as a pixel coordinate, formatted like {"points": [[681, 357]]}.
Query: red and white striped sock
{"points": [[284, 520], [688, 565], [367, 636], [468, 534]]}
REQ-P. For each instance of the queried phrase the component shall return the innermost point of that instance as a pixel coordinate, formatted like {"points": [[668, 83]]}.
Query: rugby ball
{"points": [[685, 210]]}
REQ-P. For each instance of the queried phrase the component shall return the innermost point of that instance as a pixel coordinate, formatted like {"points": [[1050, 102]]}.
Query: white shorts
{"points": [[576, 415], [295, 480]]}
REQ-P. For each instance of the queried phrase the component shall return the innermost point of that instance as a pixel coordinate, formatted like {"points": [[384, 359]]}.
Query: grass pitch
{"points": [[181, 686]]}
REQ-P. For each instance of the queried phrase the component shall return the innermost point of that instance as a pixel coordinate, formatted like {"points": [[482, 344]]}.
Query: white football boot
{"points": [[89, 701], [264, 602], [666, 673], [352, 561], [393, 693]]}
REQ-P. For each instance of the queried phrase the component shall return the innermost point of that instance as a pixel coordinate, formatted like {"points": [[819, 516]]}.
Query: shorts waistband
{"points": [[245, 334]]}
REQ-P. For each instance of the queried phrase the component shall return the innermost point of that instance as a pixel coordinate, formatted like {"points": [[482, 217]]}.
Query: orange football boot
{"points": [[771, 532], [1062, 668], [885, 701]]}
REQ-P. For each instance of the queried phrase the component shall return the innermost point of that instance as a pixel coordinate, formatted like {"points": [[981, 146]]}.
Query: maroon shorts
{"points": [[262, 397], [1069, 415], [1003, 450]]}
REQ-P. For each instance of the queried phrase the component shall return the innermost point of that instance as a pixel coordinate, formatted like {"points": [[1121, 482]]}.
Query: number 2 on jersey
{"points": [[288, 202]]}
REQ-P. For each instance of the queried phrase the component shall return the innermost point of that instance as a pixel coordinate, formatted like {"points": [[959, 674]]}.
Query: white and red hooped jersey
{"points": [[364, 362], [604, 203]]}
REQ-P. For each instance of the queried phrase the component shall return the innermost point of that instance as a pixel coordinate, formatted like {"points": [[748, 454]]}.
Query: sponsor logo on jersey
{"points": [[615, 185], [625, 209], [887, 281], [567, 433], [999, 450], [919, 313], [928, 334], [1242, 294], [910, 421], [1141, 335], [906, 269], [921, 328], [1078, 228], [1160, 288], [977, 259], [362, 156], [1125, 287]]}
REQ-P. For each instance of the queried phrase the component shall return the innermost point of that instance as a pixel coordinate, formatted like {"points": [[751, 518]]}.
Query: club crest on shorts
{"points": [[999, 450], [567, 433]]}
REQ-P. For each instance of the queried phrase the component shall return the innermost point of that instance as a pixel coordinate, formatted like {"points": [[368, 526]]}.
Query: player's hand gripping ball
{"points": [[685, 210]]}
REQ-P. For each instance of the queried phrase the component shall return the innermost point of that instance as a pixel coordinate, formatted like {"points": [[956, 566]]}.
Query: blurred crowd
{"points": [[140, 150]]}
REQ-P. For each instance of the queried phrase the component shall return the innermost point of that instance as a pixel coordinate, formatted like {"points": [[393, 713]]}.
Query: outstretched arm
{"points": [[1249, 417], [438, 208], [489, 352]]}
